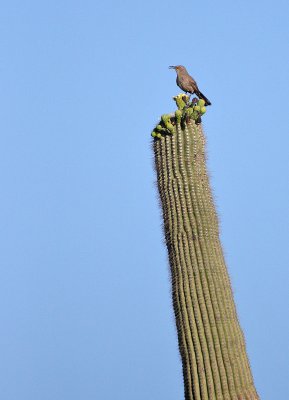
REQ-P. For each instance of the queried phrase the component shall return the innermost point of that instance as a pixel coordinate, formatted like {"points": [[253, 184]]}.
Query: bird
{"points": [[187, 83]]}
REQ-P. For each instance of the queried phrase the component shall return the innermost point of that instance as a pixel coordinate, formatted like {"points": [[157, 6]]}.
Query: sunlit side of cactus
{"points": [[211, 342]]}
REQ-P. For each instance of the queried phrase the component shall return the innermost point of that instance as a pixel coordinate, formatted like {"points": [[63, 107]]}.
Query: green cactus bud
{"points": [[168, 124], [195, 115], [181, 100], [178, 115], [190, 112], [203, 110], [166, 119], [159, 135], [154, 134], [201, 102], [160, 129], [170, 127], [197, 108]]}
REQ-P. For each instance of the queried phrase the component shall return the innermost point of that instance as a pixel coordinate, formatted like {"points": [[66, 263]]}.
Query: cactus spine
{"points": [[211, 342]]}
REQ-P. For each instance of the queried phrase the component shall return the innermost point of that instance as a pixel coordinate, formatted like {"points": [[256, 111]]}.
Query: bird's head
{"points": [[178, 68]]}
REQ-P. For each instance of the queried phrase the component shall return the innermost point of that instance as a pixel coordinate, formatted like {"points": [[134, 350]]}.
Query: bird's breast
{"points": [[180, 82]]}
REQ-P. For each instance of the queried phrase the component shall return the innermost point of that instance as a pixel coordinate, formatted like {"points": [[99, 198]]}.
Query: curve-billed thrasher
{"points": [[187, 83]]}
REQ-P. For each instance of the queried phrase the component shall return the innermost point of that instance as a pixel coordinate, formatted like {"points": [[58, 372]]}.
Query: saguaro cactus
{"points": [[211, 342]]}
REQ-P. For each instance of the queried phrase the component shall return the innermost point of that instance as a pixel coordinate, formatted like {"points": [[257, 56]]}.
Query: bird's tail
{"points": [[201, 96]]}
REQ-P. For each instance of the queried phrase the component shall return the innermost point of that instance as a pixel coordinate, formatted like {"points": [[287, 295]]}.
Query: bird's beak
{"points": [[172, 67]]}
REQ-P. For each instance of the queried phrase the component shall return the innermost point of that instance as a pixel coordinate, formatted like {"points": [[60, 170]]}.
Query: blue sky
{"points": [[84, 290]]}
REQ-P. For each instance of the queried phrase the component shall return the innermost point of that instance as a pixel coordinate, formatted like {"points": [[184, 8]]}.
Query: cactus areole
{"points": [[211, 342]]}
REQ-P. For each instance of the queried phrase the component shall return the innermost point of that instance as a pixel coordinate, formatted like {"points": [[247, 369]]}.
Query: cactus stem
{"points": [[211, 342]]}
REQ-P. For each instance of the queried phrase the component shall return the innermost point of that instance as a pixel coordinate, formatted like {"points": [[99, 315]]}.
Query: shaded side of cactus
{"points": [[211, 342]]}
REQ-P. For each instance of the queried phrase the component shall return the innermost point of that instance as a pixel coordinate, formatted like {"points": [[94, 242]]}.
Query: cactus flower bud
{"points": [[178, 115], [201, 103]]}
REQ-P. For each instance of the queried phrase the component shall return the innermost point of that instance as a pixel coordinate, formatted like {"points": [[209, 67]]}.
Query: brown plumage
{"points": [[187, 83]]}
